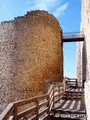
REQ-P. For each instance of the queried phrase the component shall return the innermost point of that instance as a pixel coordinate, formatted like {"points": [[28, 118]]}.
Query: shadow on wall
{"points": [[84, 62]]}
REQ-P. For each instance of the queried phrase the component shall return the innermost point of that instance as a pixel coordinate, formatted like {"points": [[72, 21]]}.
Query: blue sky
{"points": [[67, 12]]}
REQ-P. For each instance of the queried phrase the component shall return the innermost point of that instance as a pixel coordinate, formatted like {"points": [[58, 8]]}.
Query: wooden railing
{"points": [[36, 107], [70, 82], [40, 106]]}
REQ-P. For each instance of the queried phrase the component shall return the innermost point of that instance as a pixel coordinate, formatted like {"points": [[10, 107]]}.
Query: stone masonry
{"points": [[30, 54], [83, 48], [83, 54]]}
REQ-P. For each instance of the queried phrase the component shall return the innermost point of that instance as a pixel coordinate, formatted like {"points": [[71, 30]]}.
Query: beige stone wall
{"points": [[83, 56], [79, 63], [30, 54], [87, 98], [83, 64]]}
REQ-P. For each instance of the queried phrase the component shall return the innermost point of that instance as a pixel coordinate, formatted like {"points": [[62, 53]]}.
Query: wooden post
{"points": [[15, 113], [64, 83], [59, 91], [37, 111], [48, 106], [76, 83], [53, 95]]}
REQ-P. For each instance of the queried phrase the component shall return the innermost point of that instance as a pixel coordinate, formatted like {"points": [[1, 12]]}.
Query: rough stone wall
{"points": [[79, 63], [30, 54], [87, 98], [83, 64], [83, 48]]}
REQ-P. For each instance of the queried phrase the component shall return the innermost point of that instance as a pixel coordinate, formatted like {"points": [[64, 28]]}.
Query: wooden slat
{"points": [[71, 91], [26, 112], [62, 102], [51, 94], [7, 112], [51, 88], [27, 101], [79, 104], [51, 99], [45, 117], [56, 100], [34, 117], [64, 106], [57, 95], [42, 104], [51, 106], [71, 107], [43, 111]]}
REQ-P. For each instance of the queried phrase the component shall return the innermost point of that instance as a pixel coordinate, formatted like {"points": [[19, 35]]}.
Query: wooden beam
{"points": [[73, 39]]}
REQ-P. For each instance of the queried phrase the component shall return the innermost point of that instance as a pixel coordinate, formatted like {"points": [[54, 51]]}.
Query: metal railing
{"points": [[73, 34]]}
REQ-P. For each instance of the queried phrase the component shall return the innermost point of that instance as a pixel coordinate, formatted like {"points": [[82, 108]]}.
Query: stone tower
{"points": [[30, 54]]}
